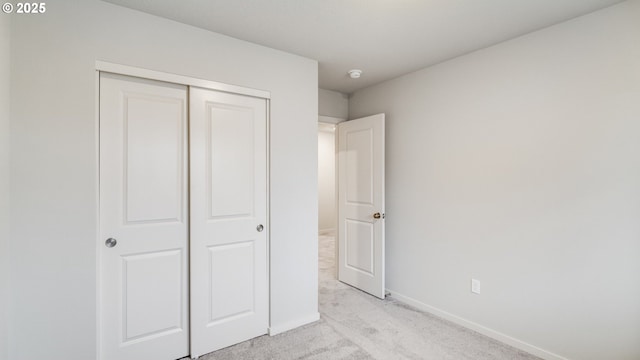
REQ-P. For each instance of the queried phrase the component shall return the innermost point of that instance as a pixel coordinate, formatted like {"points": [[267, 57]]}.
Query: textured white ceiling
{"points": [[384, 38]]}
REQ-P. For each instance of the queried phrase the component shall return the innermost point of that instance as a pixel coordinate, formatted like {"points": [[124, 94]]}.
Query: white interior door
{"points": [[361, 204], [143, 219], [229, 278]]}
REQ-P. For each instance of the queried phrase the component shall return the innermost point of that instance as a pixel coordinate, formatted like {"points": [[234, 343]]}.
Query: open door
{"points": [[361, 204]]}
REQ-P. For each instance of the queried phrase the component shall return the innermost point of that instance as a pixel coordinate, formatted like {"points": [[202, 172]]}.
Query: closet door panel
{"points": [[231, 148], [143, 219], [229, 274]]}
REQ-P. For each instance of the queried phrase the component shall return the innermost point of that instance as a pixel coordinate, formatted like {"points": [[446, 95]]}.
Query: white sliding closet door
{"points": [[229, 278], [143, 219]]}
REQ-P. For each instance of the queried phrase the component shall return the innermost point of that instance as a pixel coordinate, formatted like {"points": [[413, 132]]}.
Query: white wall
{"points": [[519, 165], [5, 47], [333, 104], [53, 168], [326, 178]]}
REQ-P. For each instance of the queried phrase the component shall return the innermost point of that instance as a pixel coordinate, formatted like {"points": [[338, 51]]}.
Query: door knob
{"points": [[110, 242], [377, 215], [260, 228]]}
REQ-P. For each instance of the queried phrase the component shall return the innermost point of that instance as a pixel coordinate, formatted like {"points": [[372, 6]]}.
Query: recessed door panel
{"points": [[359, 167], [153, 133], [231, 151], [359, 246], [152, 294], [232, 279]]}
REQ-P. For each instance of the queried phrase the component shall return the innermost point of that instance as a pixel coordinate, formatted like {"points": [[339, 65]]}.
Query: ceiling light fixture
{"points": [[355, 73]]}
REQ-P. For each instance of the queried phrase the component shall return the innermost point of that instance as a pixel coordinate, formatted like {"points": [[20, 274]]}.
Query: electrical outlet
{"points": [[475, 286]]}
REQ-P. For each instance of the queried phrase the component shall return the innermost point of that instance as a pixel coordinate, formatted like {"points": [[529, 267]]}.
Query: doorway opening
{"points": [[327, 204], [351, 213]]}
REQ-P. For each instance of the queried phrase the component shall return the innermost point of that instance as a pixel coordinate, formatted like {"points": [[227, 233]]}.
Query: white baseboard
{"points": [[279, 329], [518, 344]]}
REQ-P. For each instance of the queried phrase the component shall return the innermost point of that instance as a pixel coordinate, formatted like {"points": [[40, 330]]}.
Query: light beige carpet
{"points": [[355, 325]]}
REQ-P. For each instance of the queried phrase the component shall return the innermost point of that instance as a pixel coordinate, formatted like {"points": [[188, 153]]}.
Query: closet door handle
{"points": [[260, 228], [110, 242]]}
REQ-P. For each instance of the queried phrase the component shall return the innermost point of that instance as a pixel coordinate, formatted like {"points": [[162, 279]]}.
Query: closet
{"points": [[183, 252]]}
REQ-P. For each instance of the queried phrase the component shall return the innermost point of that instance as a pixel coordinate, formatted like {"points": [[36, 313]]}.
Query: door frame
{"points": [[108, 67]]}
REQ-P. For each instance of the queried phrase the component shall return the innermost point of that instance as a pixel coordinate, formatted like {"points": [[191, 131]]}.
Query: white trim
{"points": [[330, 119], [329, 231], [96, 135], [275, 330], [179, 79], [327, 127], [268, 220], [519, 344]]}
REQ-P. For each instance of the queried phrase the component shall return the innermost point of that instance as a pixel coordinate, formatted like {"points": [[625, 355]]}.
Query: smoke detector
{"points": [[355, 73]]}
